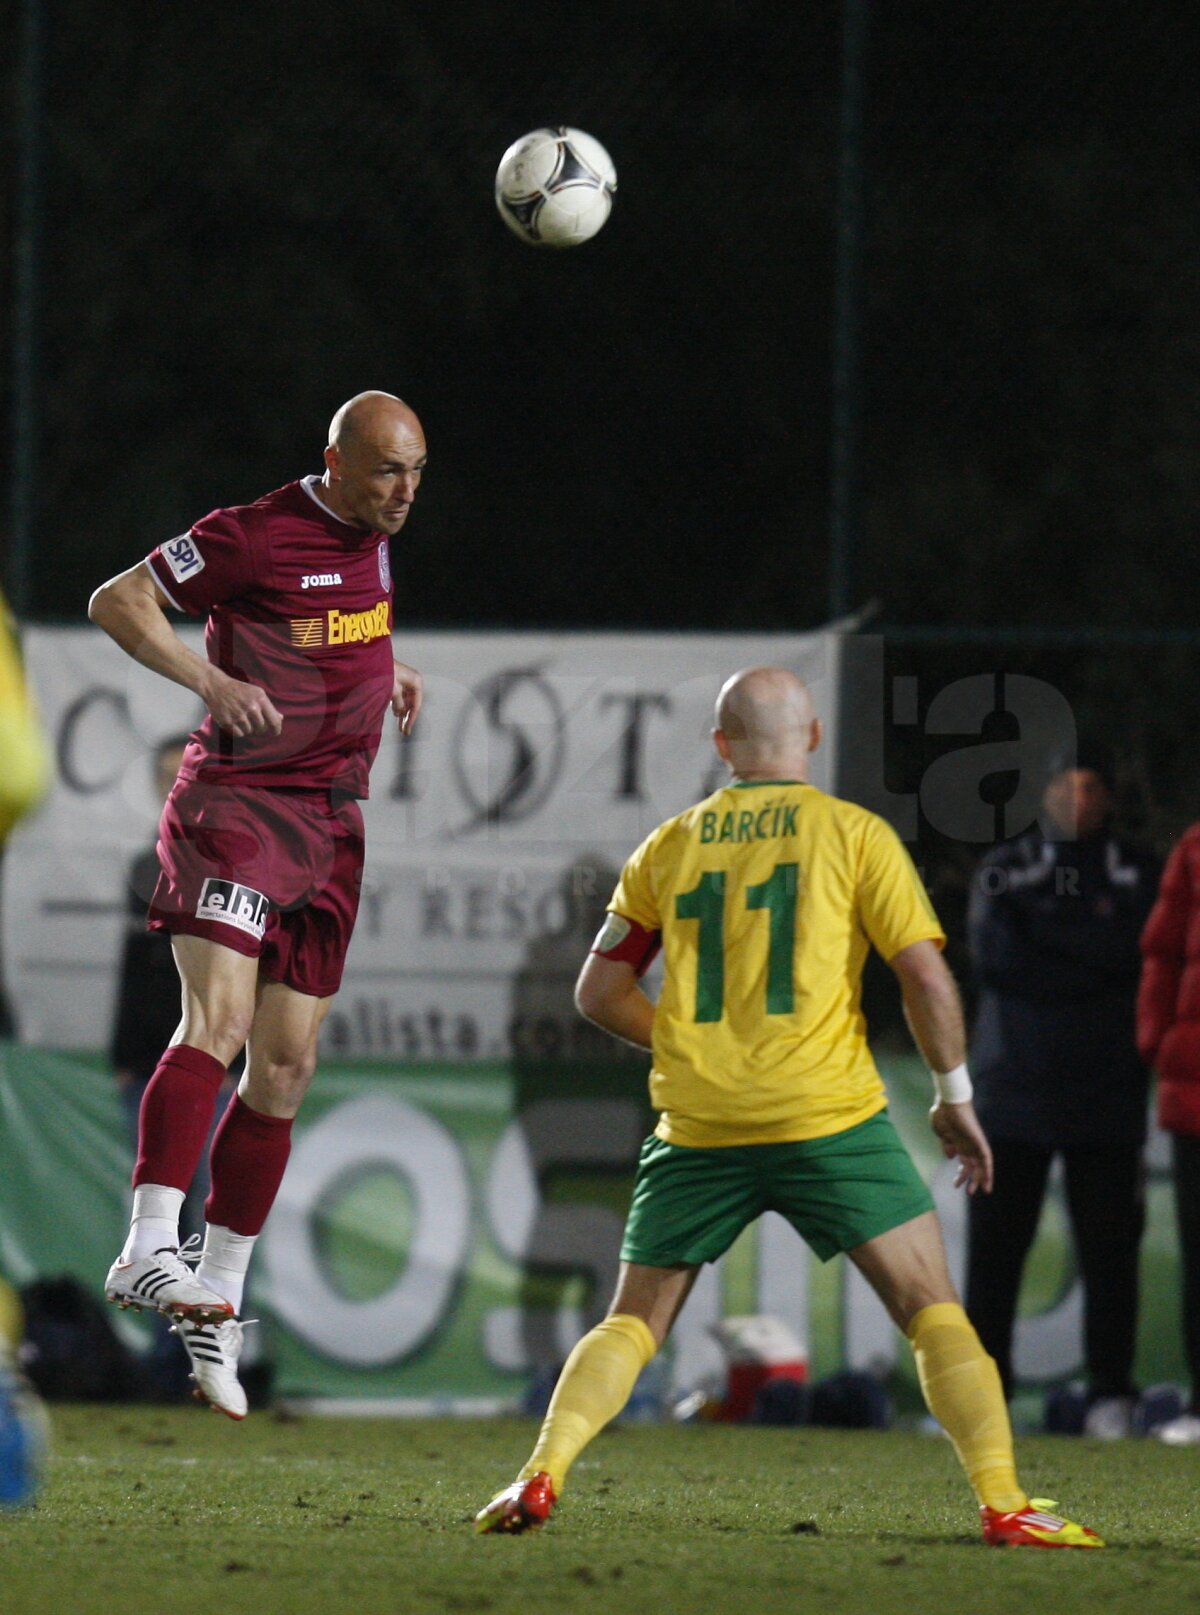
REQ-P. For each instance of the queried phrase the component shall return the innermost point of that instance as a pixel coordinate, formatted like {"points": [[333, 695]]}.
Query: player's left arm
{"points": [[408, 691], [608, 994]]}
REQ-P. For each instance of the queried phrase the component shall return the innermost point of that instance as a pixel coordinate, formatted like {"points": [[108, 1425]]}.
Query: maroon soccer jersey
{"points": [[299, 603]]}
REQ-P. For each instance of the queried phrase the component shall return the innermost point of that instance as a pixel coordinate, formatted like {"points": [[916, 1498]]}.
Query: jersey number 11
{"points": [[706, 903]]}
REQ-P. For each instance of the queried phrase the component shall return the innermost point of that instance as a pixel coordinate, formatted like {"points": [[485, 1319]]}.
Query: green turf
{"points": [[178, 1510]]}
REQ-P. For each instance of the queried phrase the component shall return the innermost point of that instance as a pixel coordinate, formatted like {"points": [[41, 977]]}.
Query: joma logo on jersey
{"points": [[233, 904], [320, 580], [341, 627]]}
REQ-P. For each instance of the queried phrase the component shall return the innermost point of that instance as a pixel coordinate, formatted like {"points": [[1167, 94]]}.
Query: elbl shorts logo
{"points": [[235, 905], [184, 559]]}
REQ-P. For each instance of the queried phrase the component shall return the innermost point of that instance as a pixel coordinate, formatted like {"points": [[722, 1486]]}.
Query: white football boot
{"points": [[1181, 1432], [1110, 1418], [214, 1350], [164, 1282]]}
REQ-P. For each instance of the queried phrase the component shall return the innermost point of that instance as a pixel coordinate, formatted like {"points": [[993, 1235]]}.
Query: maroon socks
{"points": [[176, 1114], [249, 1154]]}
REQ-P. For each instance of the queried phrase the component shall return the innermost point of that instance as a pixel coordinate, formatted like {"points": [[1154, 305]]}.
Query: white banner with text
{"points": [[494, 835]]}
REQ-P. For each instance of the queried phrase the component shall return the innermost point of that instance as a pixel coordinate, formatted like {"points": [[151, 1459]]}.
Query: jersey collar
{"points": [[310, 484]]}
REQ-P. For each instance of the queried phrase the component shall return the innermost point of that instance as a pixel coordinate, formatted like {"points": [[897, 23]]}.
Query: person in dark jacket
{"points": [[1168, 1033], [1054, 922]]}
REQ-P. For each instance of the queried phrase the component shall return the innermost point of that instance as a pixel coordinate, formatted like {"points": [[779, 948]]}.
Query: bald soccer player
{"points": [[765, 900], [261, 840]]}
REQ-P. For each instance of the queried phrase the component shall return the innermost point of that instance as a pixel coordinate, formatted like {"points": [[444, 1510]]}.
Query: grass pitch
{"points": [[163, 1510]]}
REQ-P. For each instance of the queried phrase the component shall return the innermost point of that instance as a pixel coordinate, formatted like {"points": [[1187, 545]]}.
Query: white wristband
{"points": [[953, 1087]]}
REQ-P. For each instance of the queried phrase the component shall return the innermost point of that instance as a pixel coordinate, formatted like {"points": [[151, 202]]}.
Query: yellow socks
{"points": [[960, 1382], [962, 1390], [593, 1388]]}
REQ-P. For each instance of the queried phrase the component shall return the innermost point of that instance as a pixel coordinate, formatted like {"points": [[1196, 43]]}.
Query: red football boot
{"points": [[1035, 1527], [523, 1506]]}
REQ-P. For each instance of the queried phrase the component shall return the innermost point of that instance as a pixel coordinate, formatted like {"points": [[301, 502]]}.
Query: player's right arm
{"points": [[899, 919], [933, 1010], [932, 1006], [131, 608]]}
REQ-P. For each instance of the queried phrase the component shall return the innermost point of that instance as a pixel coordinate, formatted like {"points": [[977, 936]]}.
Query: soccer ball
{"points": [[554, 187]]}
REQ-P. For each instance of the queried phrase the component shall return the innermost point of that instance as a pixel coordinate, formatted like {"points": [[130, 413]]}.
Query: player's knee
{"points": [[235, 1029], [219, 1029], [300, 1068], [908, 1288], [283, 1074], [914, 1298]]}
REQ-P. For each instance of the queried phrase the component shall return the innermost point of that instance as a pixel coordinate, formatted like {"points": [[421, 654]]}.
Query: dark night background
{"points": [[251, 213]]}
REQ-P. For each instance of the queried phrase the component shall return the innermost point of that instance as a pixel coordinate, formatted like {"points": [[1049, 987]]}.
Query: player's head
{"points": [[374, 461], [765, 724]]}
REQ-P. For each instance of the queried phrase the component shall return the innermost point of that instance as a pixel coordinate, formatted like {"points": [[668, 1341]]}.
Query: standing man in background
{"points": [[1054, 921], [261, 840], [766, 899]]}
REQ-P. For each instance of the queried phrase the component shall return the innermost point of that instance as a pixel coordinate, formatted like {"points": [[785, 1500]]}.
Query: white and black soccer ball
{"points": [[554, 187]]}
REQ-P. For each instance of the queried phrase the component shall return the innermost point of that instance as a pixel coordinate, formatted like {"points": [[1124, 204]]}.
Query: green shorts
{"points": [[689, 1205]]}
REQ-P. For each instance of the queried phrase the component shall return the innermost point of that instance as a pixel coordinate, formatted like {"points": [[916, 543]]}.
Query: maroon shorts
{"points": [[274, 874]]}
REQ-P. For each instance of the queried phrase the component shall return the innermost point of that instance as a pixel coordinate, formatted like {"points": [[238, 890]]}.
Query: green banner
{"points": [[444, 1232]]}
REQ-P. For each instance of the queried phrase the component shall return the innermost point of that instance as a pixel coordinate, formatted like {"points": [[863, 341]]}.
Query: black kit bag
{"points": [[70, 1351]]}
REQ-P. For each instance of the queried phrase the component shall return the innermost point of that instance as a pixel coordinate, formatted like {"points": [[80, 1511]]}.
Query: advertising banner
{"points": [[494, 835], [444, 1234]]}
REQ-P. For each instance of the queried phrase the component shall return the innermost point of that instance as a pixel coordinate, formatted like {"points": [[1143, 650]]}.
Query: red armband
{"points": [[626, 942]]}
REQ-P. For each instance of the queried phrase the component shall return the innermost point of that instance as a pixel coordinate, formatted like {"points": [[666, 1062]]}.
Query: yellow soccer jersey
{"points": [[768, 896]]}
